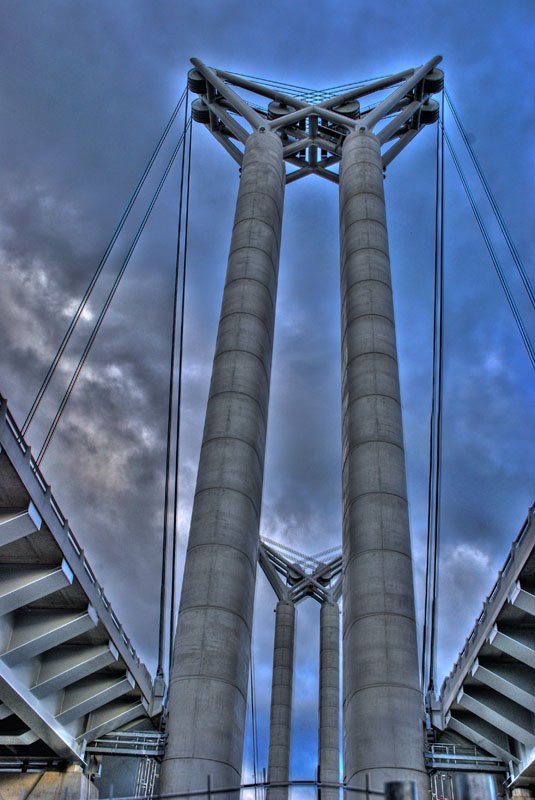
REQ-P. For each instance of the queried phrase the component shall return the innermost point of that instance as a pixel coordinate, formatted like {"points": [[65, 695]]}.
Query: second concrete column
{"points": [[280, 725], [329, 698], [383, 705]]}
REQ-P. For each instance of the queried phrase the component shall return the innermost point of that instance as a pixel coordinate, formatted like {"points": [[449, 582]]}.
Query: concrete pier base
{"points": [[383, 705], [69, 785], [281, 700], [208, 686]]}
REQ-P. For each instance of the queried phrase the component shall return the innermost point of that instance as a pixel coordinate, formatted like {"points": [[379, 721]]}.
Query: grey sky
{"points": [[86, 89]]}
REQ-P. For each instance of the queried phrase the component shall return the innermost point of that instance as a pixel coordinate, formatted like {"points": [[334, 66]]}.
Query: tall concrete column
{"points": [[329, 699], [383, 706], [280, 722], [208, 686]]}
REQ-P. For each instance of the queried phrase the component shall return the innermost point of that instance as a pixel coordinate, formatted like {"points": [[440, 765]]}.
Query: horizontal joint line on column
{"points": [[253, 280], [201, 758], [242, 313], [368, 280], [373, 394], [249, 192], [276, 234], [377, 493], [206, 607], [243, 394], [353, 165], [358, 194], [215, 437], [225, 544], [369, 441], [382, 685], [228, 489], [370, 353], [387, 766], [359, 220], [395, 614], [363, 316], [235, 439], [361, 250], [258, 249], [367, 494], [267, 165], [366, 314], [242, 350], [378, 550]]}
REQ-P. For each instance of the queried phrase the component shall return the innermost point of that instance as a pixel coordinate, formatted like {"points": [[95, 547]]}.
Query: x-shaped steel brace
{"points": [[313, 134], [323, 583]]}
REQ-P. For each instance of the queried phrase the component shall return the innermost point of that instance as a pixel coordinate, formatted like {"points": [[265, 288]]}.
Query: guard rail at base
{"points": [[394, 790]]}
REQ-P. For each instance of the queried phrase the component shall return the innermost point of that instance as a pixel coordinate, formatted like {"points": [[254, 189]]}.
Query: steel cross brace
{"points": [[296, 582], [312, 133]]}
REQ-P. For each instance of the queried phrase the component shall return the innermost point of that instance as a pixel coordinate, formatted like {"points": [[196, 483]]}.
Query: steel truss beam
{"points": [[291, 580], [312, 131]]}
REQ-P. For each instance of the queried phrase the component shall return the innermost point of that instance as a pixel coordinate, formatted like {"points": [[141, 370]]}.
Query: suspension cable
{"points": [[179, 401], [438, 432], [107, 302], [429, 543], [254, 725], [431, 584], [87, 294], [161, 636], [497, 266], [497, 213]]}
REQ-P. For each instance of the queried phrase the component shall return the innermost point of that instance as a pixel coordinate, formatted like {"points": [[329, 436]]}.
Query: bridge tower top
{"points": [[313, 124]]}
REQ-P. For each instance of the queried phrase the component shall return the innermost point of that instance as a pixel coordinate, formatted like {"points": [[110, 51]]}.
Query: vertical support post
{"points": [[208, 685], [383, 706], [329, 703], [280, 724]]}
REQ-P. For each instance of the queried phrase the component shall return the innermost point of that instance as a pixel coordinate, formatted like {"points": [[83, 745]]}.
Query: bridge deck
{"points": [[68, 672], [489, 697]]}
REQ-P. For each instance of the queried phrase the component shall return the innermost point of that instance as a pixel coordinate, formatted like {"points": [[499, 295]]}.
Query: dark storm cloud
{"points": [[85, 93]]}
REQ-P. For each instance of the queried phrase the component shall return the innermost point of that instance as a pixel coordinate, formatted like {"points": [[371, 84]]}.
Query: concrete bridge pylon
{"points": [[383, 712]]}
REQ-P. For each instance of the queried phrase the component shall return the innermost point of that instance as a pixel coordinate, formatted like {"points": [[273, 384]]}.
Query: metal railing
{"points": [[394, 790], [129, 743], [455, 757]]}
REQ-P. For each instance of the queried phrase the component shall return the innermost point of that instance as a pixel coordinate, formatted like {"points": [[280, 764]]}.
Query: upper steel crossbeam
{"points": [[310, 131]]}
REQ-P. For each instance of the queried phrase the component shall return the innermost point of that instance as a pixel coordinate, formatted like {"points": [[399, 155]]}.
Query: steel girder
{"points": [[313, 133]]}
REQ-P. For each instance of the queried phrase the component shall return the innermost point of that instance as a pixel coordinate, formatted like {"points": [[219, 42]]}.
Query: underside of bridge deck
{"points": [[489, 697], [68, 672]]}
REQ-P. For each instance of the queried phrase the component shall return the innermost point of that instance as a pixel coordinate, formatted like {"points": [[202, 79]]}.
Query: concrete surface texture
{"points": [[208, 686], [383, 707], [329, 699], [281, 699]]}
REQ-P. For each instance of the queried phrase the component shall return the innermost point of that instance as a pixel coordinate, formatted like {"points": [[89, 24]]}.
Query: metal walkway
{"points": [[68, 672], [489, 697]]}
